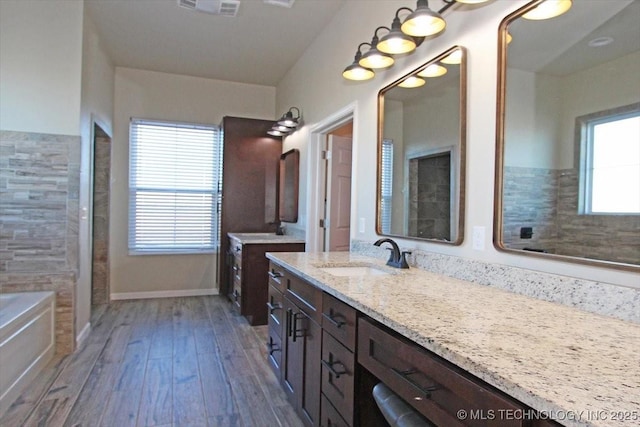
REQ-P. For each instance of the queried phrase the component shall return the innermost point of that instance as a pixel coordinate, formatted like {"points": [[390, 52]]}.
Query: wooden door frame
{"points": [[316, 183]]}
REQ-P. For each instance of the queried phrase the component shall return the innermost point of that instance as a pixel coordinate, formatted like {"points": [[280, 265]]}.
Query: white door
{"points": [[338, 192]]}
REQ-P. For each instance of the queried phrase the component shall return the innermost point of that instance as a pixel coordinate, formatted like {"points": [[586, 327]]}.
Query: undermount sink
{"points": [[352, 270]]}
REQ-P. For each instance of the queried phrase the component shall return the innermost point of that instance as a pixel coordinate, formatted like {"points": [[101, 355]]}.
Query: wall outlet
{"points": [[478, 238], [361, 224]]}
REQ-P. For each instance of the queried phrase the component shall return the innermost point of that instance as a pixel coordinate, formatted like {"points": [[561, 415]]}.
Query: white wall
{"points": [[40, 65], [617, 85], [98, 75], [315, 84], [532, 119], [154, 95]]}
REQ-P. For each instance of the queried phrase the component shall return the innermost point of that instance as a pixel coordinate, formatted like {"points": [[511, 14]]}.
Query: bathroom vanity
{"points": [[248, 270], [460, 354]]}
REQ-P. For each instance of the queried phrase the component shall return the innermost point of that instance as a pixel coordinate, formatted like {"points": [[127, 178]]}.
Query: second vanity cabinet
{"points": [[327, 356], [248, 271]]}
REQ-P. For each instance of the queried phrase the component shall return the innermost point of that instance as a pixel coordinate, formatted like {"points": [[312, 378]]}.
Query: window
{"points": [[610, 173], [175, 183], [386, 186]]}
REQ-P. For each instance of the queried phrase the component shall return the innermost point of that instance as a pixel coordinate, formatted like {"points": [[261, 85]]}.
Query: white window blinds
{"points": [[386, 186], [175, 174]]}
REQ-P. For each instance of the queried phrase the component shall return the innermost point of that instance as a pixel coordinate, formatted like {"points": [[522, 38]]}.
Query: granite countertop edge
{"points": [[302, 265]]}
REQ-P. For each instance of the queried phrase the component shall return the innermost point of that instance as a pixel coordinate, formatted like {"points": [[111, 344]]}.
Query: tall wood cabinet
{"points": [[249, 186]]}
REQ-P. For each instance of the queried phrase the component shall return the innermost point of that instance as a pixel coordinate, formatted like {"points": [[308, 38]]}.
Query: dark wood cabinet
{"points": [[434, 387], [249, 273], [251, 160], [338, 358], [301, 361], [328, 357]]}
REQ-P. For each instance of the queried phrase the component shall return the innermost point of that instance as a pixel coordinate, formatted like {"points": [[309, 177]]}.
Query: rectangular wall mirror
{"points": [[421, 152], [568, 134], [288, 189]]}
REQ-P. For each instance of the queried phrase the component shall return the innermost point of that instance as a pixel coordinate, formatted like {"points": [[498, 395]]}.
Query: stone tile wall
{"points": [[39, 214], [547, 200], [101, 183]]}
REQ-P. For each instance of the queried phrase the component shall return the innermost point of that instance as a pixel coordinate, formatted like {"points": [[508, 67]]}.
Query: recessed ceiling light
{"points": [[600, 41]]}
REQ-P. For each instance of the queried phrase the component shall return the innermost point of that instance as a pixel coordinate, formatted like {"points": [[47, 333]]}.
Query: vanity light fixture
{"points": [[355, 71], [286, 124], [548, 9], [395, 41], [373, 58], [454, 58], [412, 82], [403, 37], [422, 22], [433, 70]]}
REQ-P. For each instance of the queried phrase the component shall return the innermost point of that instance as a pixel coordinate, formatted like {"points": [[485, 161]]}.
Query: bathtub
{"points": [[27, 340]]}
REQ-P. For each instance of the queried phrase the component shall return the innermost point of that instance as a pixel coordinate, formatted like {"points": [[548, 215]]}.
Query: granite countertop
{"points": [[578, 368], [263, 238]]}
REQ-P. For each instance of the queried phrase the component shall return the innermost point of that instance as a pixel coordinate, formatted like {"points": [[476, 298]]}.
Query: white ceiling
{"points": [[259, 45]]}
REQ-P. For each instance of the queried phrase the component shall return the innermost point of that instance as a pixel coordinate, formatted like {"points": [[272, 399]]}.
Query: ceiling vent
{"points": [[282, 3], [213, 7]]}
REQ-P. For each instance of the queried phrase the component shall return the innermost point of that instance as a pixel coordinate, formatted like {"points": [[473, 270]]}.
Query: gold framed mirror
{"points": [[288, 187], [421, 152], [568, 134]]}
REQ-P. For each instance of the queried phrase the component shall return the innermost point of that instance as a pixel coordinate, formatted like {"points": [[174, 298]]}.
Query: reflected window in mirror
{"points": [[386, 185], [561, 91], [609, 150], [421, 134]]}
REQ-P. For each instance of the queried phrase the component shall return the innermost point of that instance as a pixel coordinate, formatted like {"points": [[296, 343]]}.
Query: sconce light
{"points": [[412, 82], [548, 9], [373, 58], [453, 58], [433, 70], [286, 124], [423, 21], [395, 41], [355, 71], [402, 37]]}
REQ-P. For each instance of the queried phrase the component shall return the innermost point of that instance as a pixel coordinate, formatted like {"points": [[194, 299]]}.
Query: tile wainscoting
{"points": [[39, 220]]}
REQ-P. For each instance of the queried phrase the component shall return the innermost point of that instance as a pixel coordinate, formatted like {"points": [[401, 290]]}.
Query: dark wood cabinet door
{"points": [[302, 343], [310, 399], [292, 357], [251, 160]]}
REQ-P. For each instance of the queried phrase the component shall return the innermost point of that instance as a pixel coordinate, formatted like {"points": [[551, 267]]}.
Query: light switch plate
{"points": [[361, 225], [478, 238]]}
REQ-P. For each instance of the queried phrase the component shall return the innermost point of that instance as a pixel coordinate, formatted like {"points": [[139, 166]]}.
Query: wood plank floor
{"points": [[160, 362]]}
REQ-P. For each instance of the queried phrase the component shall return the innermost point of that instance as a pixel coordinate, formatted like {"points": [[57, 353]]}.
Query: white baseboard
{"points": [[163, 294], [84, 333]]}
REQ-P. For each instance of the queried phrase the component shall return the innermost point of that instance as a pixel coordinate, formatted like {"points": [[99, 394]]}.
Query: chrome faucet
{"points": [[397, 259]]}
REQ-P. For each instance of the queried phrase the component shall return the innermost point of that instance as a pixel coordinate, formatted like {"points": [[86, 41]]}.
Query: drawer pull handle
{"points": [[272, 348], [275, 274], [405, 376], [273, 307], [329, 366], [333, 321], [295, 327]]}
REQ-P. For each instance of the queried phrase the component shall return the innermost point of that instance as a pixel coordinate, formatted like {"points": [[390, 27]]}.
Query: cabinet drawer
{"points": [[329, 417], [338, 367], [434, 387], [276, 276], [275, 310], [306, 296], [339, 320], [274, 352]]}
